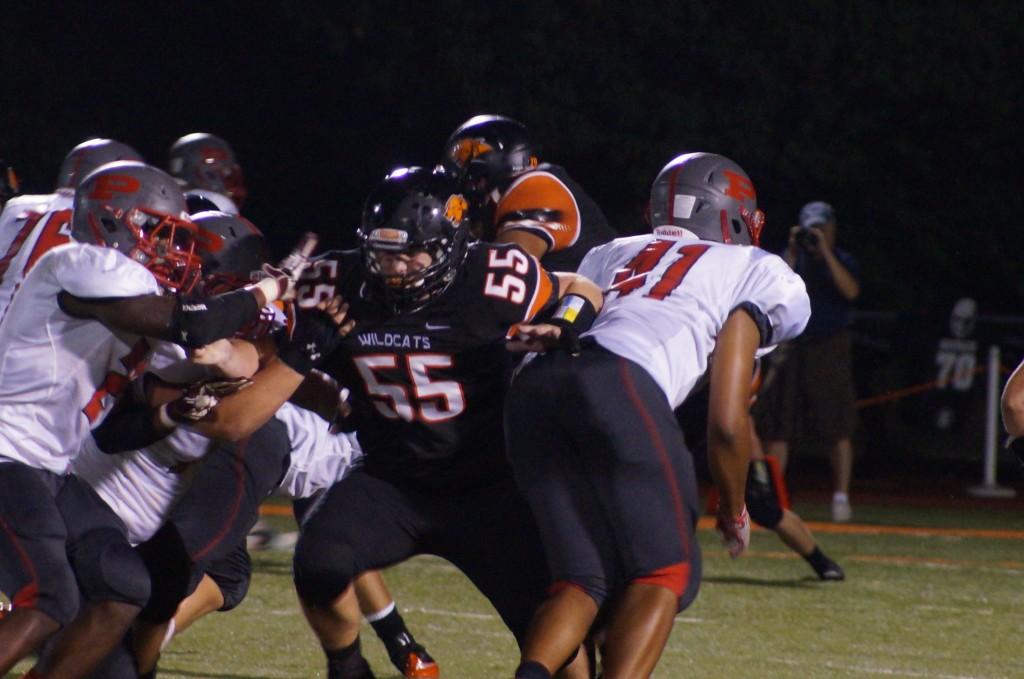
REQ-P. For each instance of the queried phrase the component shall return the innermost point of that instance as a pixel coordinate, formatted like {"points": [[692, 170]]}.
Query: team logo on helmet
{"points": [[466, 150], [109, 184], [455, 209], [739, 187]]}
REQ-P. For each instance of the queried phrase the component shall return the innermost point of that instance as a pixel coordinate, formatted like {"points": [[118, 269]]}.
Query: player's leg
{"points": [[214, 516], [360, 524], [644, 479], [34, 570], [380, 610], [112, 578], [548, 471]]}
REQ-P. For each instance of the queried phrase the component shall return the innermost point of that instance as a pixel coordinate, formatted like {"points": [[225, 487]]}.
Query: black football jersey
{"points": [[428, 386]]}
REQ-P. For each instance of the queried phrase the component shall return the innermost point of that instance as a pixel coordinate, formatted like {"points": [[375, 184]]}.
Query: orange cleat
{"points": [[419, 665]]}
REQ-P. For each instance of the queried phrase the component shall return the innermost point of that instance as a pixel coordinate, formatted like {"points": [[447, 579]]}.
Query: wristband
{"points": [[574, 315]]}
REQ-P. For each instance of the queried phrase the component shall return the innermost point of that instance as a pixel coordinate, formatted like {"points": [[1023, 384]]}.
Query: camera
{"points": [[806, 238]]}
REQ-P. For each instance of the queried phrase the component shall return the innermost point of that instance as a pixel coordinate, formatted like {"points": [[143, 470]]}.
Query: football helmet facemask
{"points": [[139, 210], [205, 161], [487, 151], [413, 211], [709, 195], [89, 155]]}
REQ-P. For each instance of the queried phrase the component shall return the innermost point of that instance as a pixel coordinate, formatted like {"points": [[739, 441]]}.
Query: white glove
{"points": [[278, 282]]}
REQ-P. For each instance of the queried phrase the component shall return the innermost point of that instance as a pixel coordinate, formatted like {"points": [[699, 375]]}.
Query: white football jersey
{"points": [[319, 458], [668, 294], [60, 374], [29, 227], [142, 486]]}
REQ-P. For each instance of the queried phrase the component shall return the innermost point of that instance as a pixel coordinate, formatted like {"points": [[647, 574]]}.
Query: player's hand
{"points": [[735, 532], [278, 282], [539, 337], [200, 399], [315, 334], [212, 354]]}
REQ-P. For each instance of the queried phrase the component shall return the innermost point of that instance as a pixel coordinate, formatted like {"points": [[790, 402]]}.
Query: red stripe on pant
{"points": [[27, 596], [674, 578], [239, 469]]}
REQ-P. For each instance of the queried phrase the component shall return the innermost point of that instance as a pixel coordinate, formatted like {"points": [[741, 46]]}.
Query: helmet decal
{"points": [[739, 187], [108, 185], [466, 150], [456, 207]]}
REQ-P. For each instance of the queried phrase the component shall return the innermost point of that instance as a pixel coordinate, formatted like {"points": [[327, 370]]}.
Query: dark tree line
{"points": [[902, 114]]}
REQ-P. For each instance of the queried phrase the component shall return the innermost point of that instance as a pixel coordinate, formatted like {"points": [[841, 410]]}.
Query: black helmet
{"points": [[709, 195], [414, 209], [487, 151], [231, 248]]}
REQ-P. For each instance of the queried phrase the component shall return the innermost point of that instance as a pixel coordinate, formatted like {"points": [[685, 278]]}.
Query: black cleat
{"points": [[831, 571]]}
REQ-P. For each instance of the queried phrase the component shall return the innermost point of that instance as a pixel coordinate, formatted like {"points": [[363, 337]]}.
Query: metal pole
{"points": [[989, 487]]}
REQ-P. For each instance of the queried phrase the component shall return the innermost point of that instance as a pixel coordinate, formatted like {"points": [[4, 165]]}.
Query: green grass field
{"points": [[941, 604]]}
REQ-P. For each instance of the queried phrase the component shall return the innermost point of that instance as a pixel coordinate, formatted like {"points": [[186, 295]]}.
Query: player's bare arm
{"points": [[728, 415], [544, 335], [1012, 403]]}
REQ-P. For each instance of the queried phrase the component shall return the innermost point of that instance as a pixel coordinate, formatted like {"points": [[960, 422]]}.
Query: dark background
{"points": [[904, 115]]}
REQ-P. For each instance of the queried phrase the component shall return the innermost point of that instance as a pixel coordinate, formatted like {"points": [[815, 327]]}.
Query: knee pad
{"points": [[170, 570], [55, 594], [323, 571], [108, 569], [761, 497]]}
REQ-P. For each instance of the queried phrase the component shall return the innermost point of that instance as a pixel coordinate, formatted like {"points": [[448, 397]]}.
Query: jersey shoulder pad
{"points": [[540, 203], [92, 271], [508, 280]]}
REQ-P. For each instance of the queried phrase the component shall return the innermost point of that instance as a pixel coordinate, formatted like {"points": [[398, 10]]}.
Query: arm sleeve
{"points": [[775, 297]]}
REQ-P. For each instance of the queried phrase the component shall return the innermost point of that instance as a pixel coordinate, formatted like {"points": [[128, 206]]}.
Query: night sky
{"points": [[901, 114]]}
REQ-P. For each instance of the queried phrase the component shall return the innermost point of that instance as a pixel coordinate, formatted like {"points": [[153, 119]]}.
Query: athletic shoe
{"points": [[832, 571], [414, 662], [841, 510]]}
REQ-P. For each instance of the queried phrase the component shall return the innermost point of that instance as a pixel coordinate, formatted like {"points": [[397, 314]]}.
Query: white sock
{"points": [[840, 497], [381, 614]]}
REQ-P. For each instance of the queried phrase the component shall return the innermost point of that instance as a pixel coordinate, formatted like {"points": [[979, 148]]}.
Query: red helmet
{"points": [[140, 211], [205, 161]]}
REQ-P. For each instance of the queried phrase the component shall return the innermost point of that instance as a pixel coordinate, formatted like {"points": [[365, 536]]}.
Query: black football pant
{"points": [[598, 454], [214, 516], [364, 523]]}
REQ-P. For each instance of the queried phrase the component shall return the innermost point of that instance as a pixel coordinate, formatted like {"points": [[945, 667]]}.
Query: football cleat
{"points": [[414, 662], [831, 572]]}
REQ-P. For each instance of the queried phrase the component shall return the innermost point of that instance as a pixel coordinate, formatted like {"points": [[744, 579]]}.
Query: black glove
{"points": [[313, 337]]}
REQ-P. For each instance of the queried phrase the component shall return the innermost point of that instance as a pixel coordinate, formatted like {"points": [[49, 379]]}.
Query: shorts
{"points": [[811, 396]]}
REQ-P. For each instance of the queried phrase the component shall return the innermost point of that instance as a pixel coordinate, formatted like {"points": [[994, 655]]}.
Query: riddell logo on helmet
{"points": [[455, 208], [739, 187], [108, 185]]}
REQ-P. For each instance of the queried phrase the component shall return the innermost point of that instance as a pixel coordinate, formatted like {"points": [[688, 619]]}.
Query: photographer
{"points": [[812, 394]]}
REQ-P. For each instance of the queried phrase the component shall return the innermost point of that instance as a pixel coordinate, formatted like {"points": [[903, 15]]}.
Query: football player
{"points": [[77, 330], [206, 165], [593, 439], [427, 370], [32, 224], [515, 198]]}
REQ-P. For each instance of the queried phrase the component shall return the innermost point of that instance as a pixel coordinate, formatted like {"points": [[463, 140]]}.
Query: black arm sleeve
{"points": [[127, 428], [198, 321]]}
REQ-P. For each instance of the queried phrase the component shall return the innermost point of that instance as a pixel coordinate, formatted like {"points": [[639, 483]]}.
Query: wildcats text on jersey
{"points": [[395, 340]]}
